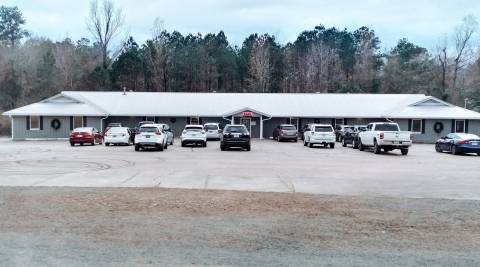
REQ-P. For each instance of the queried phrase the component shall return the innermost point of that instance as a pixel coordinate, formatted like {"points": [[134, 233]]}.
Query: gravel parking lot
{"points": [[270, 166]]}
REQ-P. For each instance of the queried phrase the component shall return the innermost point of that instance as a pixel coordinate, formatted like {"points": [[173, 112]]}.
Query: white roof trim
{"points": [[429, 99], [246, 109]]}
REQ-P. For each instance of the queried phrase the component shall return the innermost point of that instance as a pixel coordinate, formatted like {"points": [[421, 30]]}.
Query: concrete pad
{"points": [[270, 166]]}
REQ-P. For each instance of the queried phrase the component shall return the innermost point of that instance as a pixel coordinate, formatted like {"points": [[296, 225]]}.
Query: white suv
{"points": [[151, 136], [194, 134], [213, 130], [319, 134]]}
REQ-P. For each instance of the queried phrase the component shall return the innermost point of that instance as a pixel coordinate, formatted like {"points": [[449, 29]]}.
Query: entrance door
{"points": [[247, 122]]}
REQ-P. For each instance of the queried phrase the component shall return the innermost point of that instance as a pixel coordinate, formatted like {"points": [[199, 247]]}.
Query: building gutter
{"points": [[11, 126], [101, 123]]}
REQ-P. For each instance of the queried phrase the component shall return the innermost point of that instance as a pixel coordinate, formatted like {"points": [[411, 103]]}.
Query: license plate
{"points": [[475, 143], [236, 135], [79, 135], [114, 136], [147, 136]]}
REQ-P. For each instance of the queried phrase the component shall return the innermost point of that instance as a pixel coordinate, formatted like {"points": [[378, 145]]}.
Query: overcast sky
{"points": [[424, 22]]}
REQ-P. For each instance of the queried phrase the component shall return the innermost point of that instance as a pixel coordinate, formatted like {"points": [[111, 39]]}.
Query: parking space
{"points": [[270, 166]]}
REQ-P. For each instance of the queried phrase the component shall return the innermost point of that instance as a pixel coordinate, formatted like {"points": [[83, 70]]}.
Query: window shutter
{"points": [[144, 118], [299, 123], [466, 126], [84, 121], [333, 123], [453, 126], [200, 121], [288, 121], [423, 126], [41, 122], [409, 125], [345, 121], [27, 119], [188, 120], [71, 123]]}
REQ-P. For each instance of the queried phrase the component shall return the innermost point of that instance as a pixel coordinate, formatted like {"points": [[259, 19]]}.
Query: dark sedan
{"points": [[458, 143], [235, 136], [350, 136]]}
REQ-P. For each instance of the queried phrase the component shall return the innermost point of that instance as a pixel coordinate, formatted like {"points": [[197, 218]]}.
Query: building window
{"points": [[339, 121], [294, 121], [459, 126], [77, 122], [35, 123], [417, 126], [195, 120]]}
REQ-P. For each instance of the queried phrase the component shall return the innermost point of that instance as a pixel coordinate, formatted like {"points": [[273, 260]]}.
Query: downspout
{"points": [[11, 126], [227, 119], [101, 123]]}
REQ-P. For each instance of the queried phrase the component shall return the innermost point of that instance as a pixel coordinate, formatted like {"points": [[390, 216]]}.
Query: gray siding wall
{"points": [[20, 131]]}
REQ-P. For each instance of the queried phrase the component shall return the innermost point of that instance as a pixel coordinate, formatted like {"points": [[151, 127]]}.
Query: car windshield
{"points": [[362, 128], [211, 127], [323, 129], [82, 130], [117, 130], [145, 122], [148, 129], [236, 129], [288, 127], [386, 127], [193, 128]]}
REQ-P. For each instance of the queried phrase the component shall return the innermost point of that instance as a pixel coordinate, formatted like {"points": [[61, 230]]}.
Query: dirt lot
{"points": [[177, 227]]}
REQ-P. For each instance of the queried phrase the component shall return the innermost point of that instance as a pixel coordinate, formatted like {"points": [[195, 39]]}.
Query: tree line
{"points": [[326, 60]]}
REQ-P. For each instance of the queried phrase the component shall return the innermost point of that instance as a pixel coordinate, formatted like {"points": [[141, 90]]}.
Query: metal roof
{"points": [[171, 104]]}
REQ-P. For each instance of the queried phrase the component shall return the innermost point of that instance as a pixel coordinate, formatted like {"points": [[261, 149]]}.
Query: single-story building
{"points": [[427, 117]]}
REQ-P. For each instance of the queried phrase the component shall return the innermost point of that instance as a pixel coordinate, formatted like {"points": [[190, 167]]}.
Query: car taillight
{"points": [[203, 131], [184, 132], [382, 135], [157, 132], [463, 142]]}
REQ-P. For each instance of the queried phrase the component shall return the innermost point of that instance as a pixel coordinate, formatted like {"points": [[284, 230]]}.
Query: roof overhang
{"points": [[235, 112]]}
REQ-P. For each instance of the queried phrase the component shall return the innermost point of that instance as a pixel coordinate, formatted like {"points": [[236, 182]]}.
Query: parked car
{"points": [[118, 136], [319, 134], [285, 132], [168, 131], [340, 131], [386, 136], [458, 143], [213, 130], [151, 136], [302, 131], [235, 135], [350, 136], [194, 134], [110, 125], [85, 135]]}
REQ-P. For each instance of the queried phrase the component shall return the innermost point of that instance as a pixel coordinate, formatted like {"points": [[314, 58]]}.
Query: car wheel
{"points": [[295, 140], [183, 144], [166, 146], [332, 145], [107, 144], [204, 144], [478, 154], [72, 144], [160, 147], [305, 142], [171, 143], [404, 151], [310, 145], [81, 144], [344, 144], [248, 148], [355, 145], [360, 145], [453, 150], [137, 148], [437, 148], [376, 148]]}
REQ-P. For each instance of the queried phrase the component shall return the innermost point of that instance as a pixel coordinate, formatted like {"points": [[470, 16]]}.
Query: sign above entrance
{"points": [[247, 114]]}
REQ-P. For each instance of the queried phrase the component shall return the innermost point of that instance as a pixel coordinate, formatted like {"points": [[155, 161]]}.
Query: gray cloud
{"points": [[422, 21]]}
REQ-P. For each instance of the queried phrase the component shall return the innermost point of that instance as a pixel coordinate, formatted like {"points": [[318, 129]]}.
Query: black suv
{"points": [[350, 136], [235, 136]]}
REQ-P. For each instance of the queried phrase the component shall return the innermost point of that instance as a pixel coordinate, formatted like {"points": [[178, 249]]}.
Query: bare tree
{"points": [[463, 48], [260, 65], [443, 60], [105, 23]]}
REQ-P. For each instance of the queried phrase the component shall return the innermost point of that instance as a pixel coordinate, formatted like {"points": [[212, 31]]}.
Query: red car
{"points": [[85, 135]]}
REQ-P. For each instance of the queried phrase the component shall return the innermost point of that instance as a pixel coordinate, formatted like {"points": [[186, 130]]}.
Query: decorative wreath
{"points": [[438, 127], [173, 120], [56, 124]]}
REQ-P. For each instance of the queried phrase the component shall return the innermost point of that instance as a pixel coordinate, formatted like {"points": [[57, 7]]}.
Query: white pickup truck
{"points": [[386, 136]]}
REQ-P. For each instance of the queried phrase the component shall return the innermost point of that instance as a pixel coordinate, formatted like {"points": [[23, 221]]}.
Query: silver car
{"points": [[213, 131]]}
